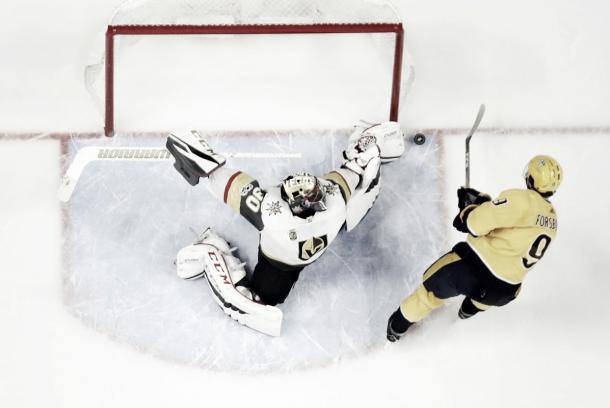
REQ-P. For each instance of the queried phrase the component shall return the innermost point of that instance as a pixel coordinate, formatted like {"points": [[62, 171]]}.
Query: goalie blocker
{"points": [[194, 156]]}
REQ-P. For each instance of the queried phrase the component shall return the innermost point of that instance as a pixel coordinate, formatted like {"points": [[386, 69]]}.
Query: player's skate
{"points": [[195, 158], [211, 256]]}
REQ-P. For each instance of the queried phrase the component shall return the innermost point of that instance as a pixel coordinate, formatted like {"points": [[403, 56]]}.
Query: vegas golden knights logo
{"points": [[312, 246]]}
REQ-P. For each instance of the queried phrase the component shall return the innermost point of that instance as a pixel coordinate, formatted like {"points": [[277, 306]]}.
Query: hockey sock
{"points": [[468, 309]]}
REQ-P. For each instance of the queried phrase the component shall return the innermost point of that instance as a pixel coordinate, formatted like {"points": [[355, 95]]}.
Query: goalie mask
{"points": [[302, 191]]}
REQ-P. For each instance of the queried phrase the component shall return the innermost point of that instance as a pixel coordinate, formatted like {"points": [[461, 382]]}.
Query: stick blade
{"points": [[477, 121]]}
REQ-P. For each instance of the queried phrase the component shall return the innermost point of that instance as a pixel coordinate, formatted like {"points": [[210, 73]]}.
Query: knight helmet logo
{"points": [[307, 249]]}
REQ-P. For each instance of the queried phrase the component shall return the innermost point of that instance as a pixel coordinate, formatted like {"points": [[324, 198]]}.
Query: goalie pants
{"points": [[459, 272], [273, 281]]}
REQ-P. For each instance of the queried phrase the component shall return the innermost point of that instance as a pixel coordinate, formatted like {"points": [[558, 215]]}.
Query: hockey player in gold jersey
{"points": [[506, 238]]}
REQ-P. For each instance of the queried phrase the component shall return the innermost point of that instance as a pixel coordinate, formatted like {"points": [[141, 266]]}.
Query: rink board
{"points": [[126, 221]]}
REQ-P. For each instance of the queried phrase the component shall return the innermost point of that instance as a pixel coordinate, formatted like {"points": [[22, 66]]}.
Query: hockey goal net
{"points": [[249, 64]]}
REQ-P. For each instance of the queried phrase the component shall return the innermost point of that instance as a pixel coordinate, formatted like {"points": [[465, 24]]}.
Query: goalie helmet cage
{"points": [[252, 17]]}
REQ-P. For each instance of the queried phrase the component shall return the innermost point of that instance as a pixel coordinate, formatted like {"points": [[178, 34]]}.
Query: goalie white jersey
{"points": [[284, 237], [297, 222], [292, 240]]}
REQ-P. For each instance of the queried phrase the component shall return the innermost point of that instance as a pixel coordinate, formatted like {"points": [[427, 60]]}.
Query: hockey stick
{"points": [[89, 154], [474, 129]]}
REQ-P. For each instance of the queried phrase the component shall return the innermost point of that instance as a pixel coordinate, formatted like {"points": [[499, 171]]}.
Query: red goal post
{"points": [[312, 22]]}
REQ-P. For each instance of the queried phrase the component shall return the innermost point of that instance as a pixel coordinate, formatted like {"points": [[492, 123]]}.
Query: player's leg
{"points": [[273, 282], [444, 279], [485, 290]]}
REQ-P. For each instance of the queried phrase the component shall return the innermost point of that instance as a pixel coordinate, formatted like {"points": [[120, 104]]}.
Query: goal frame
{"points": [[250, 29]]}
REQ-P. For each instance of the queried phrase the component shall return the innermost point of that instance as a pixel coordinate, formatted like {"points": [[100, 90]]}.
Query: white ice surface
{"points": [[540, 63], [547, 349]]}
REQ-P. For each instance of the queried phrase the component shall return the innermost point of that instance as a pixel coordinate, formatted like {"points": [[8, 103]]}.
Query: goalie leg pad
{"points": [[211, 238], [235, 303], [190, 262]]}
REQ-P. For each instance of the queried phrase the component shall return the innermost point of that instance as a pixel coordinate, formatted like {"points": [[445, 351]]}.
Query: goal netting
{"points": [[249, 64]]}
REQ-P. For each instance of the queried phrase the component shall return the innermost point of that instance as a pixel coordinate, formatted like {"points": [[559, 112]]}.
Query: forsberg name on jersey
{"points": [[547, 222]]}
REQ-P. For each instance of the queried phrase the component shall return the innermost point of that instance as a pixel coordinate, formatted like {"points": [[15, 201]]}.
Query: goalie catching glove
{"points": [[195, 158], [359, 155], [388, 136]]}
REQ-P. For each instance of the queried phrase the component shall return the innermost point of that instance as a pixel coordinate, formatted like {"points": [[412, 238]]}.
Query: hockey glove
{"points": [[460, 220], [195, 158], [459, 225], [358, 156], [388, 136], [468, 196]]}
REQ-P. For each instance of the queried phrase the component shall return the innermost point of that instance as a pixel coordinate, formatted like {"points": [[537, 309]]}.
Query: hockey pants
{"points": [[459, 272]]}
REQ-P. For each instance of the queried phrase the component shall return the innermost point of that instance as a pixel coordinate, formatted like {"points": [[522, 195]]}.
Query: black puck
{"points": [[419, 139]]}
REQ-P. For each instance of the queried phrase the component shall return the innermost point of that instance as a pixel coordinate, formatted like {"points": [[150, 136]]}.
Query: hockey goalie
{"points": [[304, 214]]}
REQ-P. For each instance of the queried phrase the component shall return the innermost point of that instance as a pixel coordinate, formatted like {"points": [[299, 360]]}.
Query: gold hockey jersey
{"points": [[512, 233]]}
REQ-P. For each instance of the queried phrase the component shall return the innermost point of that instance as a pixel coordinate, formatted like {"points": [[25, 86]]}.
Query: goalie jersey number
{"points": [[245, 196]]}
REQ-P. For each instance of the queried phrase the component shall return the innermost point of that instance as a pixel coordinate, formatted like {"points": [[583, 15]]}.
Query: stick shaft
{"points": [[474, 128]]}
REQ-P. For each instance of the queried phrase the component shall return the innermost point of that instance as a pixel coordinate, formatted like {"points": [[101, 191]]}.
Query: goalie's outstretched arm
{"points": [[241, 192], [347, 181], [360, 167], [368, 147]]}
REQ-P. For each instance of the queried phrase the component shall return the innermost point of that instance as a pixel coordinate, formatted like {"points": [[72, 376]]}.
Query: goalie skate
{"points": [[194, 156]]}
